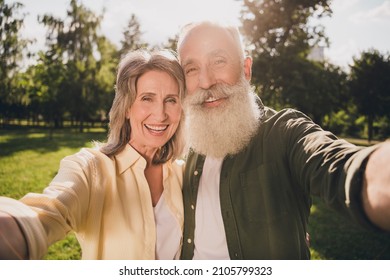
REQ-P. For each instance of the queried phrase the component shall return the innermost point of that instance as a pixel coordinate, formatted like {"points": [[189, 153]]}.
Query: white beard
{"points": [[226, 129]]}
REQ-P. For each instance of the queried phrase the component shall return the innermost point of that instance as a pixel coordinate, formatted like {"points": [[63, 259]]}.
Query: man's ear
{"points": [[248, 68]]}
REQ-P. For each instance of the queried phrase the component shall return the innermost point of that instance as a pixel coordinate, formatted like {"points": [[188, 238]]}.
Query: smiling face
{"points": [[221, 110], [155, 113], [210, 55]]}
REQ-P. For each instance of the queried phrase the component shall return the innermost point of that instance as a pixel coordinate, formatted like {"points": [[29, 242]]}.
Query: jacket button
{"points": [[196, 172], [192, 206], [189, 240]]}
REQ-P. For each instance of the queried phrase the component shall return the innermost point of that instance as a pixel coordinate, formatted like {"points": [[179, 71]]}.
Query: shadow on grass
{"points": [[40, 140], [334, 237]]}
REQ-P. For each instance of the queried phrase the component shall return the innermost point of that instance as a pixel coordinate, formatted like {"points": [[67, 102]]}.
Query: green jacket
{"points": [[265, 190]]}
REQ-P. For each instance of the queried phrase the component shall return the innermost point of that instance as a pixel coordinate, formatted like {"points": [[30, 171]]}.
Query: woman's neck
{"points": [[147, 153]]}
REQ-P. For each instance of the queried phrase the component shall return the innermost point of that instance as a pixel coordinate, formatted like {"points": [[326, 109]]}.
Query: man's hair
{"points": [[131, 67], [230, 28]]}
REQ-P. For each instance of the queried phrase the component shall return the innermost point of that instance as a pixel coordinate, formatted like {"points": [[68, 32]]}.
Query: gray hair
{"points": [[231, 29], [131, 67]]}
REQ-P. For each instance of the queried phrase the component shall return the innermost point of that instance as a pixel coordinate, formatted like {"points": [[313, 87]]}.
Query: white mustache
{"points": [[227, 129], [215, 92]]}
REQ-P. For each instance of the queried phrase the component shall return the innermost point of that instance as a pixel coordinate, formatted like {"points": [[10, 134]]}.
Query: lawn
{"points": [[29, 159]]}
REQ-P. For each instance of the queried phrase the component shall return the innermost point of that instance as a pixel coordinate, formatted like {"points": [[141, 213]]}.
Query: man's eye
{"points": [[219, 61], [191, 70]]}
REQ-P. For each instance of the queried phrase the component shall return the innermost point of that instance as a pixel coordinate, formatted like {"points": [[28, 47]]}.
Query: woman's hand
{"points": [[13, 245]]}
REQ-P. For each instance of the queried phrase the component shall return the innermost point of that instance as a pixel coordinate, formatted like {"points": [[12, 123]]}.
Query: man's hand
{"points": [[376, 187]]}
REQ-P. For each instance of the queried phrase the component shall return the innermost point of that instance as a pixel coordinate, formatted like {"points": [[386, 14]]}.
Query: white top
{"points": [[210, 239], [168, 231]]}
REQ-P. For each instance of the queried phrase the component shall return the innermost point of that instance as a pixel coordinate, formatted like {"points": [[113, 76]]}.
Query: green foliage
{"points": [[132, 36], [382, 128], [50, 77], [281, 38], [312, 87], [11, 52], [370, 86], [76, 61], [73, 80], [345, 122], [277, 27], [172, 42]]}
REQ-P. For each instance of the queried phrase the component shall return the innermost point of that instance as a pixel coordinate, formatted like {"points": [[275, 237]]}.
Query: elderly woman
{"points": [[123, 198]]}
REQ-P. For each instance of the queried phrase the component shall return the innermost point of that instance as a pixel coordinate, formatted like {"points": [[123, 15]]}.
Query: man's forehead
{"points": [[202, 40], [192, 57], [208, 32]]}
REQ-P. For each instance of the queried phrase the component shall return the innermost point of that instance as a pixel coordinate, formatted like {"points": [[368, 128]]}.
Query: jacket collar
{"points": [[129, 157]]}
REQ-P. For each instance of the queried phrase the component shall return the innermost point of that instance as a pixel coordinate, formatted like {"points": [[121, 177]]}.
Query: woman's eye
{"points": [[171, 100], [146, 98]]}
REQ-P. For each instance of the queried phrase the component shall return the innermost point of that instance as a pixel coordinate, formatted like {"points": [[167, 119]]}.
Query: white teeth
{"points": [[156, 128], [210, 99]]}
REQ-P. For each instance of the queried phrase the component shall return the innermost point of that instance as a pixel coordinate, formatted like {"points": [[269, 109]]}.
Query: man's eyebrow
{"points": [[187, 62], [219, 52]]}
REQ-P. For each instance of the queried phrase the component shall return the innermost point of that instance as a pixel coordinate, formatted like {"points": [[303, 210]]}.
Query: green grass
{"points": [[334, 237], [29, 159]]}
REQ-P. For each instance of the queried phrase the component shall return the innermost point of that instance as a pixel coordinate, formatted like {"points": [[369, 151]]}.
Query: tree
{"points": [[74, 43], [11, 52], [370, 86], [106, 76], [280, 38], [50, 74], [313, 87], [273, 26], [171, 42], [132, 36]]}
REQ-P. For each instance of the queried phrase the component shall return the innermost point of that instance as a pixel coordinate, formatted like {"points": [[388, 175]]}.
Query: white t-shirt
{"points": [[210, 239], [168, 231]]}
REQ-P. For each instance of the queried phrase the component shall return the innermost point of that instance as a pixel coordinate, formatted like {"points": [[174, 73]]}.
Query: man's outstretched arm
{"points": [[376, 187]]}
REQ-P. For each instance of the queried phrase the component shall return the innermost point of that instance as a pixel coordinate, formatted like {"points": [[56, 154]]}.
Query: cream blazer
{"points": [[105, 201]]}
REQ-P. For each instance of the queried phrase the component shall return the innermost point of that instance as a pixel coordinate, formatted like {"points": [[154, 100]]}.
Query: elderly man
{"points": [[251, 171]]}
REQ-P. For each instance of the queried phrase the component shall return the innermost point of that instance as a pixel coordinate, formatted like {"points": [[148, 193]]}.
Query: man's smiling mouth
{"points": [[213, 102]]}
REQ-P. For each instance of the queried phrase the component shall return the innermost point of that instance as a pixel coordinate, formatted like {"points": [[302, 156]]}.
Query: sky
{"points": [[355, 26]]}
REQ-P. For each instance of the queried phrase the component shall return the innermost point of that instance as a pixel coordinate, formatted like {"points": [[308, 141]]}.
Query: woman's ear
{"points": [[128, 114]]}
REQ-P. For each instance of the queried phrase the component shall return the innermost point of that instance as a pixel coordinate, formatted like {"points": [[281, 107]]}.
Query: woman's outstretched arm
{"points": [[13, 245]]}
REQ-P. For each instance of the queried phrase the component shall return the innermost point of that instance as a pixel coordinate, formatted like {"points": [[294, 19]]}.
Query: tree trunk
{"points": [[370, 128]]}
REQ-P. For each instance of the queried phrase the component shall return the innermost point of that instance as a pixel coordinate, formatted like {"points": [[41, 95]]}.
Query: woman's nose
{"points": [[160, 113]]}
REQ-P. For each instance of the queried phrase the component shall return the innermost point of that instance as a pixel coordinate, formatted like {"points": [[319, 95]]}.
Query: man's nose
{"points": [[206, 78]]}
